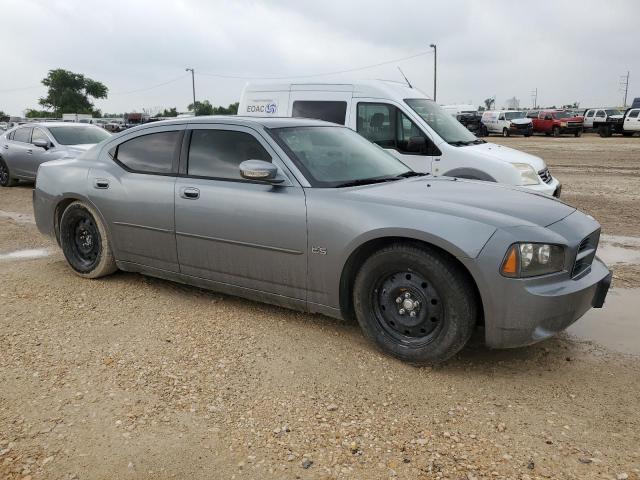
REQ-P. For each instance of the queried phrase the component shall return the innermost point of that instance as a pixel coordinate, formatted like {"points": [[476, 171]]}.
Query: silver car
{"points": [[24, 148], [312, 216]]}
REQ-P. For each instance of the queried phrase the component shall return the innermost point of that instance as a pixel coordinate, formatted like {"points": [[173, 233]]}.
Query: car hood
{"points": [[506, 154], [494, 204], [617, 116], [72, 151]]}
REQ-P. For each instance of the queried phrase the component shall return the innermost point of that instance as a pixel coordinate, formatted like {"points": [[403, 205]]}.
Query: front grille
{"points": [[545, 175], [574, 124], [586, 253]]}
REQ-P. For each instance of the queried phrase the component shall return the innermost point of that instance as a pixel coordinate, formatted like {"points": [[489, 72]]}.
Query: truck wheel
{"points": [[627, 134], [578, 133], [6, 180], [556, 131], [414, 303], [505, 132], [84, 242], [604, 131]]}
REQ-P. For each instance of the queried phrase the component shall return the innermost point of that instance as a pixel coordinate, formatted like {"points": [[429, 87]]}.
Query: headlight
{"points": [[528, 175], [532, 259]]}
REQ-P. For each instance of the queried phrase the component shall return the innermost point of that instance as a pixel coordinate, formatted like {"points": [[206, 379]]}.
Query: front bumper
{"points": [[521, 312]]}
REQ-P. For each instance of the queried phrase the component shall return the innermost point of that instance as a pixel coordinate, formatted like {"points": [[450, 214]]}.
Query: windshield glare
{"points": [[77, 135], [514, 115], [562, 115], [613, 112], [447, 127], [331, 156]]}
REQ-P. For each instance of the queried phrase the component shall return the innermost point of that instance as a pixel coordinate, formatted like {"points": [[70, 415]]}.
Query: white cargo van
{"points": [[507, 123], [407, 123]]}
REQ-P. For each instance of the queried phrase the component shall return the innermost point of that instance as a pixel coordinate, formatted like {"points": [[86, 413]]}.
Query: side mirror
{"points": [[416, 144], [42, 144], [260, 170]]}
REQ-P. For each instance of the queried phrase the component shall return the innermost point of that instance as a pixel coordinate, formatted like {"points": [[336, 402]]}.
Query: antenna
{"points": [[405, 77]]}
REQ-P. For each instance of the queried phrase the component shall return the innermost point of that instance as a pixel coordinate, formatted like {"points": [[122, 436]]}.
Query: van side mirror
{"points": [[42, 144], [416, 144], [260, 170]]}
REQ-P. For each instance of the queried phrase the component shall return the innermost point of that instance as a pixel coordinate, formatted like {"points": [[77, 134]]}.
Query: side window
{"points": [[10, 135], [532, 115], [320, 110], [634, 113], [589, 113], [376, 123], [152, 153], [600, 114], [38, 134], [22, 135], [219, 153], [501, 117]]}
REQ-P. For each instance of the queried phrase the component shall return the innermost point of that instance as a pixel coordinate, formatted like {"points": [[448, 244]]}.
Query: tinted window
{"points": [[532, 115], [219, 153], [634, 113], [446, 126], [600, 114], [22, 135], [328, 111], [153, 153], [590, 113], [38, 135], [78, 135]]}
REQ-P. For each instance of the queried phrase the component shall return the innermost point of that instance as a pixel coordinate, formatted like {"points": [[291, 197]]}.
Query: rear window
{"points": [[153, 153], [78, 135], [329, 111]]}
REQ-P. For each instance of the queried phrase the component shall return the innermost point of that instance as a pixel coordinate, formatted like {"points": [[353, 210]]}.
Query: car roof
{"points": [[56, 124], [266, 122]]}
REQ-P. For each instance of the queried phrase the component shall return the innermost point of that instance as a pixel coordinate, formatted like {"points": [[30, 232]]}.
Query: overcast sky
{"points": [[569, 50]]}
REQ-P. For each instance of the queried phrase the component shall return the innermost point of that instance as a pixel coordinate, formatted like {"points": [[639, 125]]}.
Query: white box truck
{"points": [[405, 122]]}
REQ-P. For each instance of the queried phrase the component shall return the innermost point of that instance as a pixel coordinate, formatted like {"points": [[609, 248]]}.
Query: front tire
{"points": [[578, 133], [6, 180], [85, 243], [415, 303], [556, 131], [505, 132]]}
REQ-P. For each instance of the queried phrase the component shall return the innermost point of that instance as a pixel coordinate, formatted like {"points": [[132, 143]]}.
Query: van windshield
{"points": [[447, 127]]}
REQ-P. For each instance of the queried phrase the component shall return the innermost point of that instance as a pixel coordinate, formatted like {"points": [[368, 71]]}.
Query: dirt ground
{"points": [[130, 377]]}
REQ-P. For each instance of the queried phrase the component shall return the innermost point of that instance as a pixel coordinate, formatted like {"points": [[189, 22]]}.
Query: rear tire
{"points": [[6, 180], [436, 312], [85, 243]]}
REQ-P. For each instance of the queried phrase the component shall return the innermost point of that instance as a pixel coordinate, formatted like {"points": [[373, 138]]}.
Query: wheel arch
{"points": [[66, 200], [470, 174], [359, 255]]}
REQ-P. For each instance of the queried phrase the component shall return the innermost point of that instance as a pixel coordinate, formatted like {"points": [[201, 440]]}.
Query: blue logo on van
{"points": [[271, 108]]}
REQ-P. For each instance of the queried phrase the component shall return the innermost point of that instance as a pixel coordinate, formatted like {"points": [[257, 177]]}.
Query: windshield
{"points": [[447, 127], [562, 115], [78, 135], [514, 115], [338, 156], [613, 112]]}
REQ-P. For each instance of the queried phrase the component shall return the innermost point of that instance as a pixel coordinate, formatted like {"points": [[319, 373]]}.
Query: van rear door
{"points": [[330, 103]]}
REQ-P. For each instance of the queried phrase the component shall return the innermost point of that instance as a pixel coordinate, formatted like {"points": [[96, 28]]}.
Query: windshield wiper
{"points": [[411, 173], [365, 181]]}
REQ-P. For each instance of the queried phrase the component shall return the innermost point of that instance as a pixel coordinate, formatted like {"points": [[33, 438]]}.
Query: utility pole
{"points": [[534, 97], [624, 86], [193, 85], [435, 69]]}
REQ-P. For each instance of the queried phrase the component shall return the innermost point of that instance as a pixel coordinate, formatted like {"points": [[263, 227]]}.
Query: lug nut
{"points": [[401, 311], [399, 299], [407, 295], [413, 314]]}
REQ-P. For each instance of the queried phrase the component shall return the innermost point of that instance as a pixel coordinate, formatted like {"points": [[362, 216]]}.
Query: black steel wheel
{"points": [[5, 176], [84, 242], [415, 303], [556, 131]]}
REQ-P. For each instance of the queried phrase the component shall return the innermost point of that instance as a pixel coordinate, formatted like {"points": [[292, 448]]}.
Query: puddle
{"points": [[616, 326], [18, 217], [615, 249], [25, 254]]}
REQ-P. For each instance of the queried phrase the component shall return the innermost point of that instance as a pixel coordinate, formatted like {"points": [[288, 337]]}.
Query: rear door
{"points": [[235, 231], [16, 152], [632, 120], [133, 187], [588, 118]]}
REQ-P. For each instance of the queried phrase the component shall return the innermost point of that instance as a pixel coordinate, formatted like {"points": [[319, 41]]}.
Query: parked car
{"points": [[472, 121], [507, 122], [626, 124], [24, 148], [557, 122], [405, 122], [592, 114], [312, 216]]}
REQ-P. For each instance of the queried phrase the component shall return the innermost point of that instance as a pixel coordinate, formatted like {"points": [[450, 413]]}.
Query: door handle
{"points": [[190, 193], [6, 147], [29, 151], [101, 183]]}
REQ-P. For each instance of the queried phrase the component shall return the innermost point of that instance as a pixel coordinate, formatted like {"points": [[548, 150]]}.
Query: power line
{"points": [[7, 90], [337, 72], [151, 87]]}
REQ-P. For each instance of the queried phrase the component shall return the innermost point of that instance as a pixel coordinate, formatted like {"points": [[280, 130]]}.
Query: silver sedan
{"points": [[24, 148], [312, 216]]}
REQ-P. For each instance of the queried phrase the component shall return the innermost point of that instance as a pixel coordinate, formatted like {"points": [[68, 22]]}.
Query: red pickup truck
{"points": [[556, 122]]}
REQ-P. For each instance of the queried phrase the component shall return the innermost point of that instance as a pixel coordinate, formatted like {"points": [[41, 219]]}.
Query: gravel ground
{"points": [[132, 377]]}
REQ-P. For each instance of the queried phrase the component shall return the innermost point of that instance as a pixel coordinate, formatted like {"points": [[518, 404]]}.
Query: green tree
{"points": [[488, 102], [33, 113], [202, 108], [232, 109], [172, 112], [2, 114], [70, 92]]}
